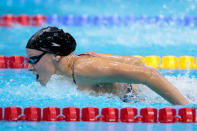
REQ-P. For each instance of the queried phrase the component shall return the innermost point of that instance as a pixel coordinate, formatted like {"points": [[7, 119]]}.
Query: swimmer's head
{"points": [[52, 40], [44, 48]]}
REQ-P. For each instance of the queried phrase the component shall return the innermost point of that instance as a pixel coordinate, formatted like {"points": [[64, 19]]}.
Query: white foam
{"points": [[61, 88], [185, 84]]}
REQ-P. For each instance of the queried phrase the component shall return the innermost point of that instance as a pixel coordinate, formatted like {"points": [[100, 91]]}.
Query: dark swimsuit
{"points": [[126, 98]]}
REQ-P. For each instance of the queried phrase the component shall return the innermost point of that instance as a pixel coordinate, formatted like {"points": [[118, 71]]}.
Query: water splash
{"points": [[62, 92]]}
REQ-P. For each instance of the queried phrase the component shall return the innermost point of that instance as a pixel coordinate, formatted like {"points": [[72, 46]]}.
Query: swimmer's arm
{"points": [[99, 70], [123, 59]]}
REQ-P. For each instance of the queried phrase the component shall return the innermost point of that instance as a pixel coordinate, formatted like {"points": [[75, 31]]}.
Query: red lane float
{"points": [[110, 114], [23, 20], [13, 62], [3, 61], [3, 58], [51, 113], [100, 118], [1, 113], [8, 20], [12, 113], [16, 61], [188, 115], [32, 113], [3, 65], [71, 113], [128, 114], [167, 115], [26, 60], [26, 64], [89, 113], [149, 114], [38, 20], [15, 65], [22, 118], [138, 119], [61, 118]]}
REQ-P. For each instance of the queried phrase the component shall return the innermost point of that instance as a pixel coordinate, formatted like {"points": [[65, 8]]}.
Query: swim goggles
{"points": [[35, 59]]}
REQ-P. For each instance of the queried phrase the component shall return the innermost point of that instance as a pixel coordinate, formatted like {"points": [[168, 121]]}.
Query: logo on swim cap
{"points": [[54, 44]]}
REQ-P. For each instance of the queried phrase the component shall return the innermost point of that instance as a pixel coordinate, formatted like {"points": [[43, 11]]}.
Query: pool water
{"points": [[96, 126], [18, 87]]}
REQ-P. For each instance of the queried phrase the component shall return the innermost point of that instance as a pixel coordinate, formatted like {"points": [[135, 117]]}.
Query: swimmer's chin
{"points": [[43, 83]]}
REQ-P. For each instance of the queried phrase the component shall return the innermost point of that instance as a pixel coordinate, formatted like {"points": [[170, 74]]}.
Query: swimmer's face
{"points": [[42, 65]]}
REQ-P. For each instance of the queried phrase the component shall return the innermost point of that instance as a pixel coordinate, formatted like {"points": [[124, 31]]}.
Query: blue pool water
{"points": [[18, 87], [93, 126]]}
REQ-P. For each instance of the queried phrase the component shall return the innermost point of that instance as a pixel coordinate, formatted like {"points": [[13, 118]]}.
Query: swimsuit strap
{"points": [[86, 55], [73, 74]]}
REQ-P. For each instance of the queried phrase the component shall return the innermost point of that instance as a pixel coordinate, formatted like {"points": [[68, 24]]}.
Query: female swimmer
{"points": [[50, 52]]}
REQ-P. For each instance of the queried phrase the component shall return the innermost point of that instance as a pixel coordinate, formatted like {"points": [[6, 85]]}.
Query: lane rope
{"points": [[93, 114], [9, 20], [165, 62]]}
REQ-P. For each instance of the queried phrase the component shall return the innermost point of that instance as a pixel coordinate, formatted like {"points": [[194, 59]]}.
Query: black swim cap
{"points": [[52, 40]]}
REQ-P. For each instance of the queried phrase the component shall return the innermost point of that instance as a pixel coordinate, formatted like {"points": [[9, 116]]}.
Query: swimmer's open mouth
{"points": [[37, 76]]}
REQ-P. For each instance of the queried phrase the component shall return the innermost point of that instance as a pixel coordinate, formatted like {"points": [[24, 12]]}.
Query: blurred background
{"points": [[129, 27]]}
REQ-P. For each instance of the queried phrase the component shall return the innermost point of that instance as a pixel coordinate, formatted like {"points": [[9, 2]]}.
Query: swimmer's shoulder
{"points": [[84, 61], [90, 69]]}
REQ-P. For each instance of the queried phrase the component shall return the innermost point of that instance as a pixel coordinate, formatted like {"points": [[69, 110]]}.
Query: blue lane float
{"points": [[53, 20], [76, 20], [71, 20]]}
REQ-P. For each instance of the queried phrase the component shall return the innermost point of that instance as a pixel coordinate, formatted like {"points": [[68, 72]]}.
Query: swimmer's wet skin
{"points": [[50, 52]]}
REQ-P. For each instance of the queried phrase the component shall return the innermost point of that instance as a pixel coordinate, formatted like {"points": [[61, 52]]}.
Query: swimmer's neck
{"points": [[64, 66]]}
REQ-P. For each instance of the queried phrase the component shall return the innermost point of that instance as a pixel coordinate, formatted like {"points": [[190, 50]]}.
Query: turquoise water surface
{"points": [[19, 88]]}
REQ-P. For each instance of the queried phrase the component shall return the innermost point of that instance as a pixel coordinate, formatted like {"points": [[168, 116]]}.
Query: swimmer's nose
{"points": [[30, 67]]}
